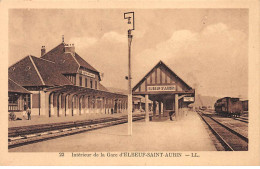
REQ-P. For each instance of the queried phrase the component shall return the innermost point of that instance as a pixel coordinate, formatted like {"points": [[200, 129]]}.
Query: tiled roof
{"points": [[49, 72], [24, 73], [16, 88], [33, 71], [83, 63], [49, 69], [66, 61]]}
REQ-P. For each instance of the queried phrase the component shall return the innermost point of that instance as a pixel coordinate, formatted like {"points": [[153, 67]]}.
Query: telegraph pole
{"points": [[129, 16]]}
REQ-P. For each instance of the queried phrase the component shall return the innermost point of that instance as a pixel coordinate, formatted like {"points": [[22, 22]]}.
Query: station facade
{"points": [[167, 91], [60, 83]]}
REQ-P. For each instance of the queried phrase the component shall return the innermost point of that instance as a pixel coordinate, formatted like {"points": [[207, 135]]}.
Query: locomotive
{"points": [[245, 105], [229, 106]]}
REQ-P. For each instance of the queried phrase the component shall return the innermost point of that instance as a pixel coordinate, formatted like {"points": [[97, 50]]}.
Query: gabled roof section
{"points": [[64, 61], [16, 88], [50, 73], [160, 63], [33, 71], [67, 62], [24, 73], [84, 64]]}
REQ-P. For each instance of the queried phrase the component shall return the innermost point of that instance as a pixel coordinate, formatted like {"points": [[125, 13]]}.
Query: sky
{"points": [[207, 48]]}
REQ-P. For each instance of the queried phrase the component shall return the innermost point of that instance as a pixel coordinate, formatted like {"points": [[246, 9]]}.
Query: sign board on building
{"points": [[161, 88], [87, 73], [188, 99]]}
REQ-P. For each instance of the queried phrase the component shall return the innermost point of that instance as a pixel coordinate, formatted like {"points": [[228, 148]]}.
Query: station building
{"points": [[60, 83], [18, 97], [166, 90]]}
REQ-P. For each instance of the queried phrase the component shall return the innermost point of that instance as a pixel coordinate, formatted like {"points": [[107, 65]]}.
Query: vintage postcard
{"points": [[130, 83]]}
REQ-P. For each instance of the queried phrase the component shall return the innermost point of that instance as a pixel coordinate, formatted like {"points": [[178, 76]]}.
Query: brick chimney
{"points": [[43, 50], [69, 48]]}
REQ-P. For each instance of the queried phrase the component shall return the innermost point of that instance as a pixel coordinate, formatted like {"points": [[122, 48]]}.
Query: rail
{"points": [[242, 119], [221, 140], [19, 136], [227, 144]]}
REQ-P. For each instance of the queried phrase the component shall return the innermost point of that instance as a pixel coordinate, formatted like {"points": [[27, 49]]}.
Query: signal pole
{"points": [[129, 16]]}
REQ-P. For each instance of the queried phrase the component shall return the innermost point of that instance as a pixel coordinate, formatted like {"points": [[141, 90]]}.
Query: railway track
{"points": [[242, 119], [19, 136], [230, 139]]}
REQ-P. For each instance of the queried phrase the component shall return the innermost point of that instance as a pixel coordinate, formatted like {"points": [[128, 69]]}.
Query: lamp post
{"points": [[130, 17]]}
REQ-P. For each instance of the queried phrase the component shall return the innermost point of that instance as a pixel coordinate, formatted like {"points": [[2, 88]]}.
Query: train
{"points": [[245, 105], [231, 107]]}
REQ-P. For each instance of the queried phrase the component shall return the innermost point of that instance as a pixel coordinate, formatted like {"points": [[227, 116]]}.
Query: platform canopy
{"points": [[161, 80], [78, 90]]}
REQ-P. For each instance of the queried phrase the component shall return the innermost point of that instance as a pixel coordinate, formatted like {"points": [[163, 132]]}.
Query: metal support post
{"points": [[176, 107], [146, 109]]}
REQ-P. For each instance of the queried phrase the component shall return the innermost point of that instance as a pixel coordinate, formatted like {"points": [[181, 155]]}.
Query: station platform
{"points": [[46, 120], [188, 134]]}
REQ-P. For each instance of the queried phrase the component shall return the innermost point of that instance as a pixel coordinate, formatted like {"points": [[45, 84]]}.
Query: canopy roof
{"points": [[161, 80]]}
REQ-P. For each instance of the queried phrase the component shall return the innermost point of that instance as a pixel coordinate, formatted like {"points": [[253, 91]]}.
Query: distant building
{"points": [[139, 104], [61, 83]]}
